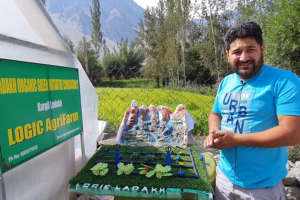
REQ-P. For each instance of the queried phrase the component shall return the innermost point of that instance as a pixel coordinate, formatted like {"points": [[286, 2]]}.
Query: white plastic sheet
{"points": [[28, 34]]}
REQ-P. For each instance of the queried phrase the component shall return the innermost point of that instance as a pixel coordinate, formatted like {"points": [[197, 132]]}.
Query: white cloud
{"points": [[145, 3]]}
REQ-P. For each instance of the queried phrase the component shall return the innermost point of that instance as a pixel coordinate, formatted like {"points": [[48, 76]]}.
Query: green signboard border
{"points": [[12, 166]]}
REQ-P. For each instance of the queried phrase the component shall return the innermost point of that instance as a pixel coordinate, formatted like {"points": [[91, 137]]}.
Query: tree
{"points": [[95, 68], [125, 61], [184, 8], [151, 34], [255, 11], [163, 34], [113, 66], [69, 42], [282, 34], [131, 56], [97, 37], [172, 54], [104, 47], [211, 48], [196, 72], [44, 2]]}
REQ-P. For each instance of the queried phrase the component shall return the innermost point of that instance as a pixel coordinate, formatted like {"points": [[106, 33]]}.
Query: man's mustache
{"points": [[246, 62]]}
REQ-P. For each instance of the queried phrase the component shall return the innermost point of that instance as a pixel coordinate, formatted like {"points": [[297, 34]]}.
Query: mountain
{"points": [[119, 18]]}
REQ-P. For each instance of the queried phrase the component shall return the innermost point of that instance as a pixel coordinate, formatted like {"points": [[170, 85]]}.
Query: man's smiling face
{"points": [[246, 57]]}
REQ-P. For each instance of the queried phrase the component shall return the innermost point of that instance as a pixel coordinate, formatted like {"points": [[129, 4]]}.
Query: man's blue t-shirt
{"points": [[251, 107]]}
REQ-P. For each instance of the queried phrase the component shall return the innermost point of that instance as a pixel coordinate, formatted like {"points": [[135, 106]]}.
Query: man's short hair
{"points": [[244, 30]]}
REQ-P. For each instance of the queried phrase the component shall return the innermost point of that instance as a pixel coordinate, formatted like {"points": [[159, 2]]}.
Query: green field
{"points": [[113, 103]]}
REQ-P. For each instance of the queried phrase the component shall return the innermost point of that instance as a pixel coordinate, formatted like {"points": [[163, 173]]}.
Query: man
{"points": [[255, 116]]}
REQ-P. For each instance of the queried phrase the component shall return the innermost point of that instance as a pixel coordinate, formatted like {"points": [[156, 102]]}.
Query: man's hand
{"points": [[287, 133], [209, 141], [221, 140], [214, 122], [225, 139]]}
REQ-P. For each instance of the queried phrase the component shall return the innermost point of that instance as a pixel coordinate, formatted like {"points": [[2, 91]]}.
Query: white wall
{"points": [[28, 34]]}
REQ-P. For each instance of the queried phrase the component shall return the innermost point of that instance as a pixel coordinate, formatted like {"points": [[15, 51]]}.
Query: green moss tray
{"points": [[193, 184]]}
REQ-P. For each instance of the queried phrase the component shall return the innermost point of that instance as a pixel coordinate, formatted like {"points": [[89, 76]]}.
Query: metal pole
{"points": [[83, 160], [3, 195]]}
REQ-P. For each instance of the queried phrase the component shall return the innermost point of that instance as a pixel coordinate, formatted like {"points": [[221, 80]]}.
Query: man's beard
{"points": [[255, 70]]}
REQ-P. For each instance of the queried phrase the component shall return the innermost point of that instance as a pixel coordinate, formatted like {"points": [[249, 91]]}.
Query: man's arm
{"points": [[214, 122], [287, 133]]}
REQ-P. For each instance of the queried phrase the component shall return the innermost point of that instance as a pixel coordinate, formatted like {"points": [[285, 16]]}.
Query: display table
{"points": [[188, 174]]}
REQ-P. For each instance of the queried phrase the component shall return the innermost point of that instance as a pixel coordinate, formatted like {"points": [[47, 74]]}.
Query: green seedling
{"points": [[162, 171], [125, 169], [148, 158], [145, 170], [100, 169], [134, 156]]}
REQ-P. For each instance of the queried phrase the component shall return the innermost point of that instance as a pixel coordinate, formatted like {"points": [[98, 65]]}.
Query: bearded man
{"points": [[255, 116]]}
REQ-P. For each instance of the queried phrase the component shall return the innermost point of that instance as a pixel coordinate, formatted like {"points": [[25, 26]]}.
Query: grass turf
{"points": [[201, 183]]}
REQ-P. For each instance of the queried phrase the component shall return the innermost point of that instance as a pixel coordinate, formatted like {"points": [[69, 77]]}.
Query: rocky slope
{"points": [[119, 18]]}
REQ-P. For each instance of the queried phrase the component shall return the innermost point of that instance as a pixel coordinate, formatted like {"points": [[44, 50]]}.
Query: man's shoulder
{"points": [[230, 77], [281, 81], [276, 71], [274, 75]]}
